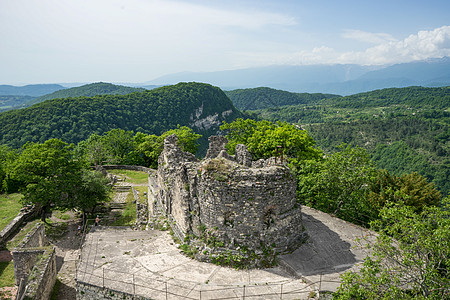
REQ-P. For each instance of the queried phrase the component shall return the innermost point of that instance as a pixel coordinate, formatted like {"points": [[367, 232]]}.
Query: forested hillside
{"points": [[264, 97], [404, 129], [93, 89], [200, 106], [8, 102]]}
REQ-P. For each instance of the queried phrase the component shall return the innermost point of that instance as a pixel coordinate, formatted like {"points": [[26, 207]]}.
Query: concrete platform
{"points": [[334, 247], [148, 263]]}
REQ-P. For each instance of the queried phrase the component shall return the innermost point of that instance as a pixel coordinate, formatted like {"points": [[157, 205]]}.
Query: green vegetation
{"points": [[337, 184], [264, 97], [149, 112], [128, 216], [55, 230], [54, 295], [7, 272], [404, 130], [124, 147], [10, 206], [344, 183], [136, 177], [263, 139], [51, 177], [15, 241], [411, 257], [13, 101], [88, 90]]}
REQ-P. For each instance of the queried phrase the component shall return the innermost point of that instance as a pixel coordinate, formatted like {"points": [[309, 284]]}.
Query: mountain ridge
{"points": [[331, 79]]}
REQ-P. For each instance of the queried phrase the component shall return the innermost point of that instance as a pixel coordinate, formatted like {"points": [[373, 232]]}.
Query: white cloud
{"points": [[368, 37], [423, 45]]}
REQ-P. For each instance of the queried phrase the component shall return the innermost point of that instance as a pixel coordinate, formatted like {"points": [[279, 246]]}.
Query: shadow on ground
{"points": [[323, 253]]}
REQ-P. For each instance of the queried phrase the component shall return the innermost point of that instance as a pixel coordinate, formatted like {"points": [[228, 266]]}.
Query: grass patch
{"points": [[62, 215], [55, 230], [136, 177], [128, 216], [9, 208], [11, 244], [141, 189], [7, 274]]}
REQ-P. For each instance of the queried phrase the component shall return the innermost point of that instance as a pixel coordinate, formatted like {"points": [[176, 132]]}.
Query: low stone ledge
{"points": [[87, 291], [11, 228]]}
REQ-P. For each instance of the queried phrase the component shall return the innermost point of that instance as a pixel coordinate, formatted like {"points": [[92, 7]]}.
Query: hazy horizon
{"points": [[136, 41]]}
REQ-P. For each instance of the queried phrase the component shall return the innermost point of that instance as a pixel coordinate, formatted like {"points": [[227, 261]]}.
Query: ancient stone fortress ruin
{"points": [[229, 209]]}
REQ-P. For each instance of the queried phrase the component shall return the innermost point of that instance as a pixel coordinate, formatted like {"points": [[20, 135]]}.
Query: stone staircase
{"points": [[121, 188], [117, 205]]}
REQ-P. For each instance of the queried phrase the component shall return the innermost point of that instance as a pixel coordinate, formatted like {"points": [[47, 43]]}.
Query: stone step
{"points": [[117, 205], [122, 188]]}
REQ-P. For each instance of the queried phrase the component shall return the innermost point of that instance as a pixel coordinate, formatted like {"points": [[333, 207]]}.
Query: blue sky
{"points": [[57, 41]]}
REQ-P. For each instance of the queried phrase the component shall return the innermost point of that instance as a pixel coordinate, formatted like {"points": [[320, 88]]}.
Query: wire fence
{"points": [[151, 287]]}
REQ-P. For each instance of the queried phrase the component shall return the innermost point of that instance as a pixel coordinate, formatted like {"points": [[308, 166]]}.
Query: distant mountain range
{"points": [[34, 90], [332, 79], [328, 79]]}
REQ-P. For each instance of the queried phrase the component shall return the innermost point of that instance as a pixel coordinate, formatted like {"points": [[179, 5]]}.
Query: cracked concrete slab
{"points": [[149, 263]]}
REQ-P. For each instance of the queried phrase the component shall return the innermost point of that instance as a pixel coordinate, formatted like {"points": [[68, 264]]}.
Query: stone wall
{"points": [[141, 208], [86, 291], [128, 167], [25, 214], [42, 277], [35, 265], [231, 202], [25, 254]]}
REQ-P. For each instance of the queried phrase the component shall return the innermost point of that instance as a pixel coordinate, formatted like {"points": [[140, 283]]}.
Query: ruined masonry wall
{"points": [[35, 265], [236, 204], [23, 257]]}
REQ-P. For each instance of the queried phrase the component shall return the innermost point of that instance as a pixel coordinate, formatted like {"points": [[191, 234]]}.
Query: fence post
{"points": [[134, 289], [320, 282], [103, 276], [166, 290], [243, 295], [281, 292]]}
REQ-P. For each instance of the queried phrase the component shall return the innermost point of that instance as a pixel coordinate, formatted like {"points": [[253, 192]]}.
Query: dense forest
{"points": [[88, 90], [264, 97], [404, 129], [155, 111]]}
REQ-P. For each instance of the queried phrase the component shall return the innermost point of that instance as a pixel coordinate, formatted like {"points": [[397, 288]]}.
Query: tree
{"points": [[93, 150], [262, 139], [49, 174], [7, 157], [119, 144], [94, 189], [412, 189], [338, 184], [411, 258], [151, 146]]}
